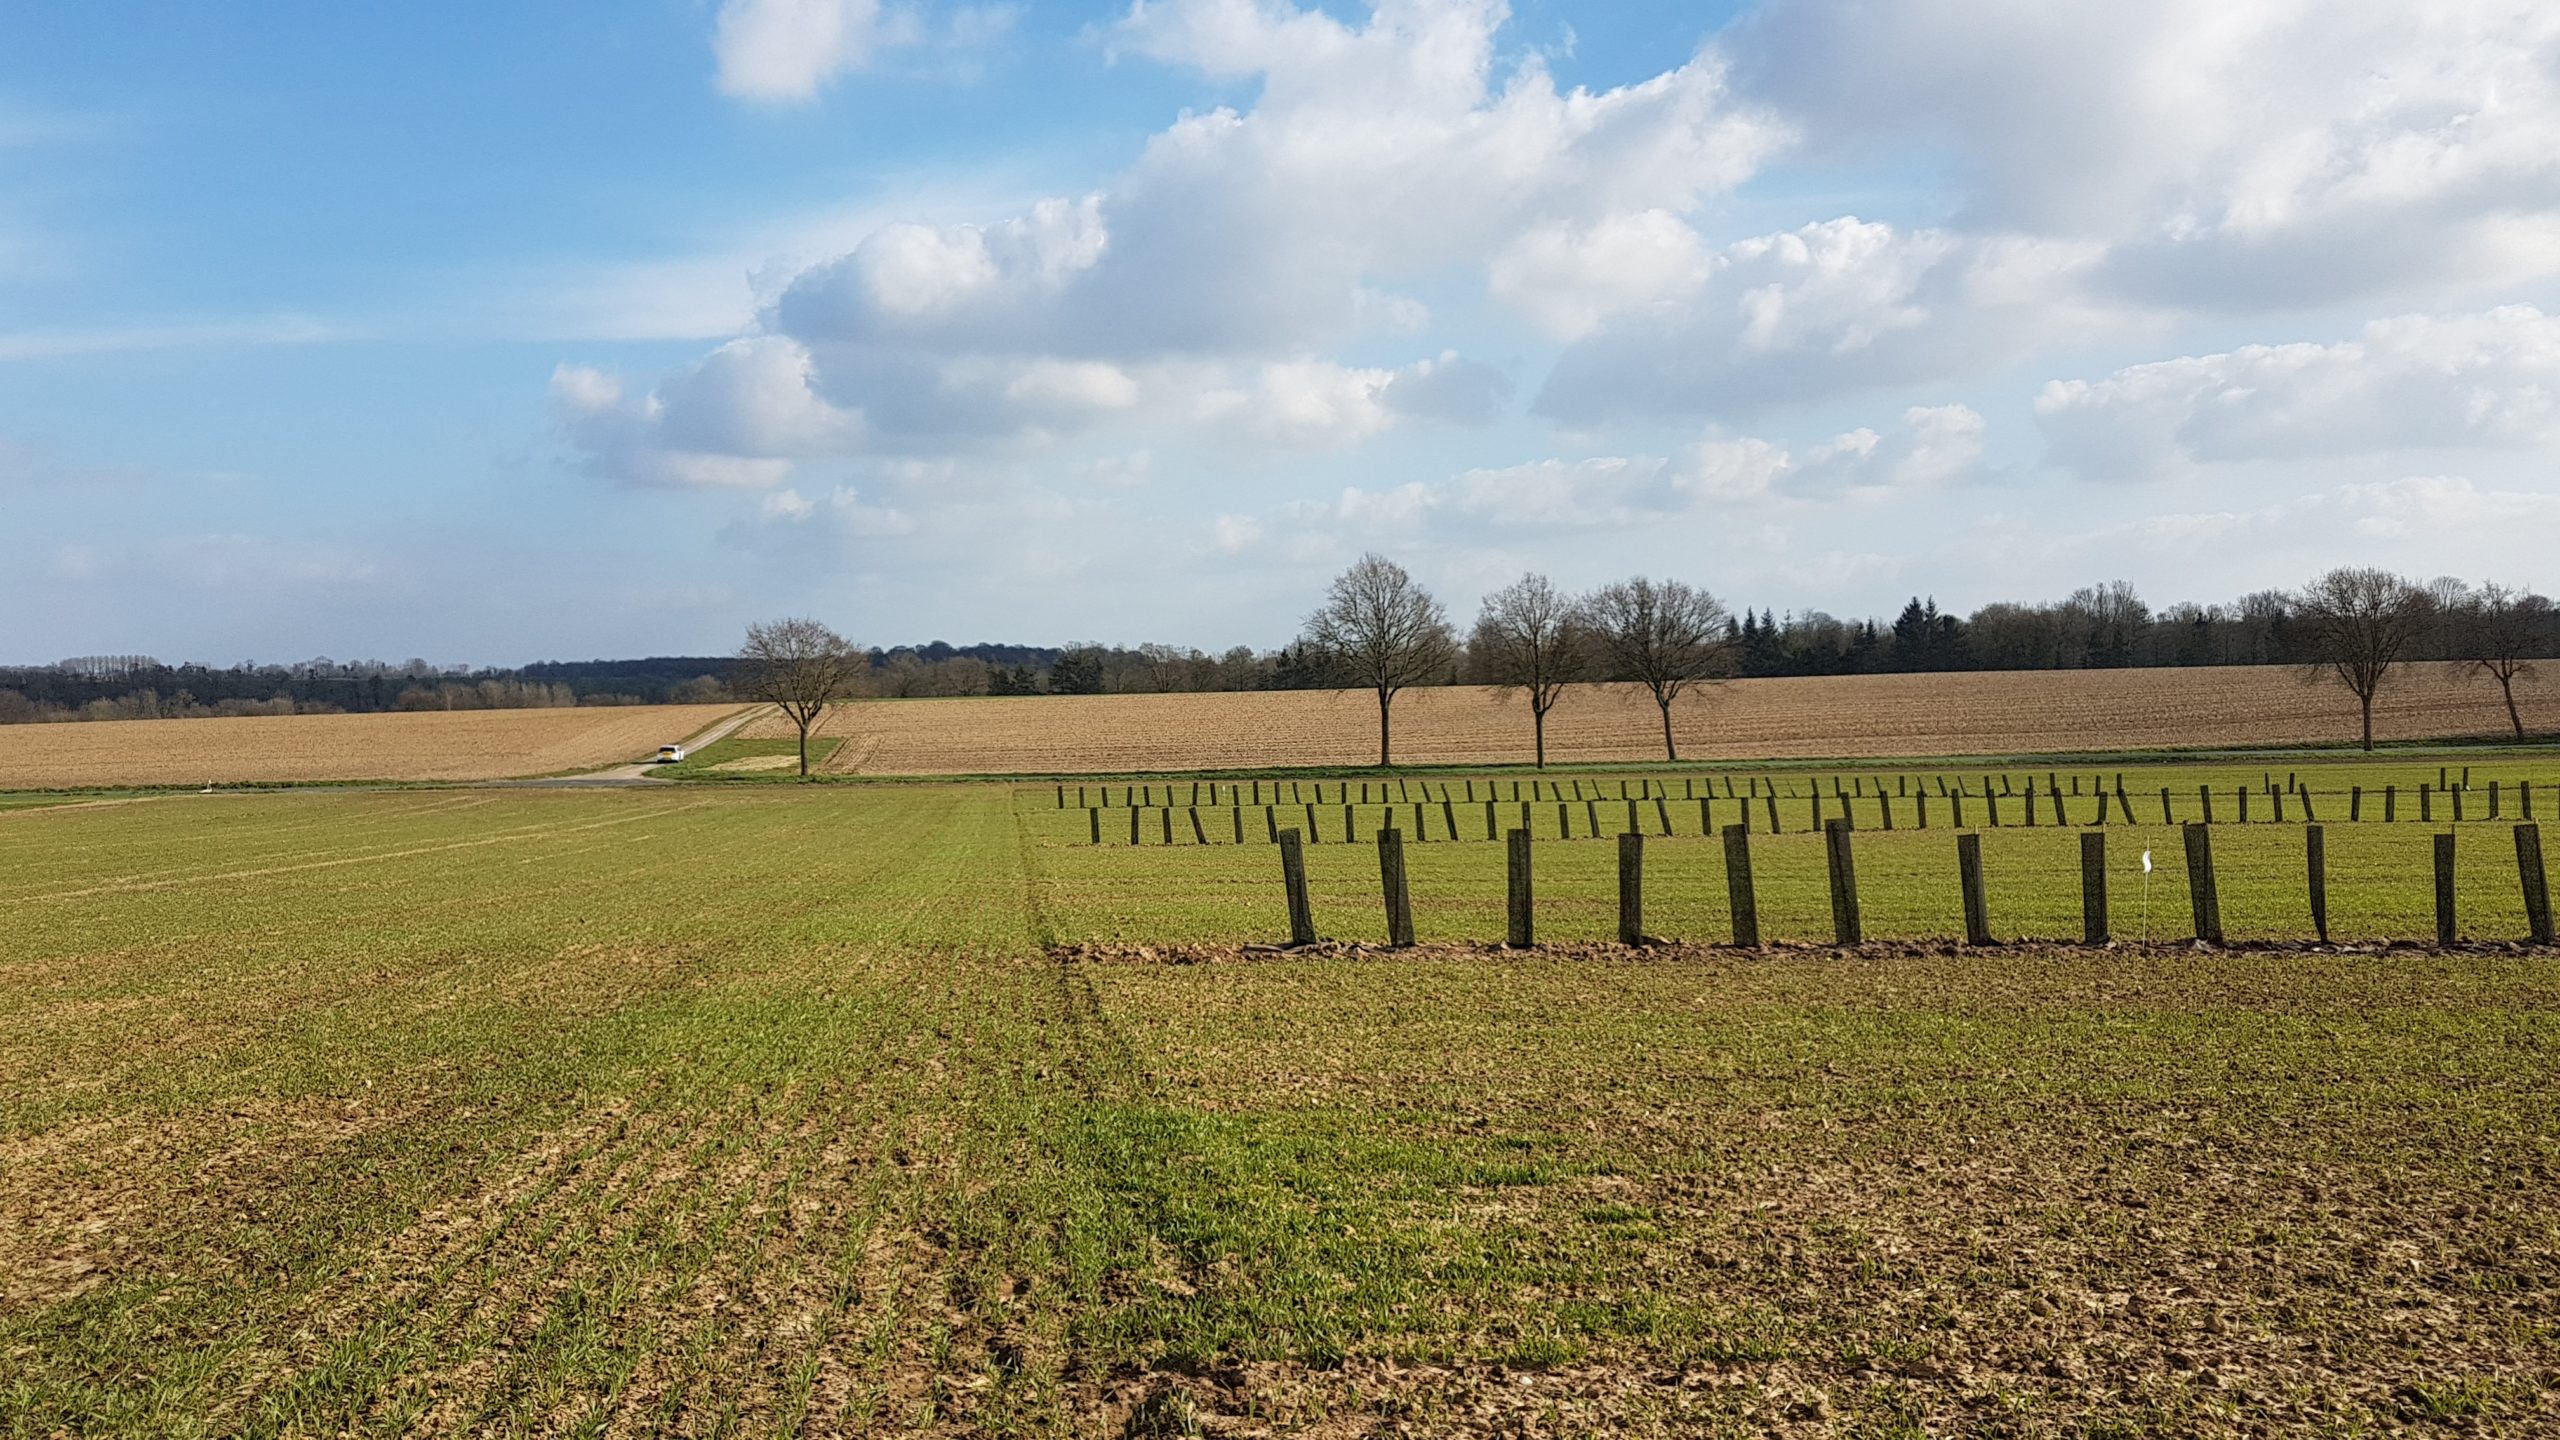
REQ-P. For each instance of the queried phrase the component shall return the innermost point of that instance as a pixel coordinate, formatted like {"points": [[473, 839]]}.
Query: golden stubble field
{"points": [[425, 745], [2012, 712]]}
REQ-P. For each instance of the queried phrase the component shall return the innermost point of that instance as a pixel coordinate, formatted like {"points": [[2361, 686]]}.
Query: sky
{"points": [[496, 332]]}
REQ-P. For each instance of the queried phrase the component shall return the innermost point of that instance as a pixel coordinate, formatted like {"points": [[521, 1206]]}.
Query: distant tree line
{"points": [[2494, 630]]}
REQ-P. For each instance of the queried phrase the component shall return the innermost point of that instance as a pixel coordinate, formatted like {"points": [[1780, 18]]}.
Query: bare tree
{"points": [[2360, 623], [799, 667], [2499, 631], [1530, 638], [1383, 629], [1662, 633]]}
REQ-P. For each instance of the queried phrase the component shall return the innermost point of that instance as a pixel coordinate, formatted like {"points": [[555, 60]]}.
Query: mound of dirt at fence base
{"points": [[1657, 952]]}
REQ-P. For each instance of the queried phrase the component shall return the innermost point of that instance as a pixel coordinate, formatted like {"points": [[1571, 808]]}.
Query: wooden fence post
{"points": [[1955, 802], [1977, 912], [2426, 805], [1314, 836], [2309, 814], [1134, 814], [1236, 812], [1772, 799], [2493, 800], [1991, 803], [1632, 822], [2315, 859], [1522, 934], [2204, 799], [2242, 792], [2355, 803], [2444, 888], [2166, 818], [1884, 802], [2524, 798], [2102, 807], [1922, 800], [2276, 798], [2093, 886], [1293, 873], [2204, 899], [2536, 882], [1391, 881], [2390, 803], [1844, 883], [1096, 817], [1198, 835], [1631, 888], [2457, 806], [1738, 888], [2058, 817], [1662, 812], [2031, 802]]}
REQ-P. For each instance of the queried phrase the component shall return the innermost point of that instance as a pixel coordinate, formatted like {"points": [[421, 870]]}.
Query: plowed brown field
{"points": [[1971, 714], [429, 745]]}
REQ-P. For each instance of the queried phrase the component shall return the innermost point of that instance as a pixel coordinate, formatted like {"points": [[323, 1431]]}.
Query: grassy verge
{"points": [[736, 759]]}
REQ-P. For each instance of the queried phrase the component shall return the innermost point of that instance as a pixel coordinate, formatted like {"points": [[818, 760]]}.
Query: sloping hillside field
{"points": [[891, 1110], [2023, 712], [426, 745]]}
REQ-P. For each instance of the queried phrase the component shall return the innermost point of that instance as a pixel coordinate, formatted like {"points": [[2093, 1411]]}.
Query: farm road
{"points": [[629, 775]]}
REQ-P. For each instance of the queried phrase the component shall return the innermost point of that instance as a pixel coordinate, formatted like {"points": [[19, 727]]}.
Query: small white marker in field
{"points": [[2146, 897]]}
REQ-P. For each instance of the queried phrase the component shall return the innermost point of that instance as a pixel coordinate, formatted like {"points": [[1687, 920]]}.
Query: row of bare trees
{"points": [[1381, 631], [2360, 627], [1384, 630], [2363, 625]]}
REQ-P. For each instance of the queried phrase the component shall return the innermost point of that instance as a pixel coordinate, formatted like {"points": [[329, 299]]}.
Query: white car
{"points": [[669, 754]]}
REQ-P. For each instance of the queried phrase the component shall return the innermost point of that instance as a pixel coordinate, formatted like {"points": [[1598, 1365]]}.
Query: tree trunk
{"points": [[2367, 700], [804, 749], [1541, 725], [1385, 698], [1669, 749], [2507, 683]]}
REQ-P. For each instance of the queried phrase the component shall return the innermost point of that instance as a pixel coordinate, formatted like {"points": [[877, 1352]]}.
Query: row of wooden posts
{"points": [[1815, 818], [2203, 893], [1292, 792]]}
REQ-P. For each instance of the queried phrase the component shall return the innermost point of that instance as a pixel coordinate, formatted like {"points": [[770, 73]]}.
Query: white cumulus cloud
{"points": [[2489, 380]]}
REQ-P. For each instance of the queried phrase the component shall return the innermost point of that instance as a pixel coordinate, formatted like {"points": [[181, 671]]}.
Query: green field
{"points": [[769, 1110]]}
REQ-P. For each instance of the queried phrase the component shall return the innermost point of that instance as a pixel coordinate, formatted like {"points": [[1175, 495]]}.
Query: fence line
{"points": [[2203, 887], [2099, 807]]}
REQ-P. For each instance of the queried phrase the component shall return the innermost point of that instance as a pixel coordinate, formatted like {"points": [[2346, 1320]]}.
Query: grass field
{"points": [[2015, 713], [770, 1110], [426, 745]]}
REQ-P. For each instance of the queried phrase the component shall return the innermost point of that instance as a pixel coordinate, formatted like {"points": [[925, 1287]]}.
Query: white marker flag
{"points": [[2146, 862]]}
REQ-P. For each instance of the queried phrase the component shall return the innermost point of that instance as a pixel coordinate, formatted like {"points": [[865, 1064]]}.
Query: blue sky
{"points": [[493, 333]]}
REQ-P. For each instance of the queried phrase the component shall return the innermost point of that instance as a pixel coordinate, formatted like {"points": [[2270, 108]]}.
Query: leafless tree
{"points": [[799, 667], [1530, 638], [1382, 628], [2498, 632], [1662, 633], [2360, 623]]}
